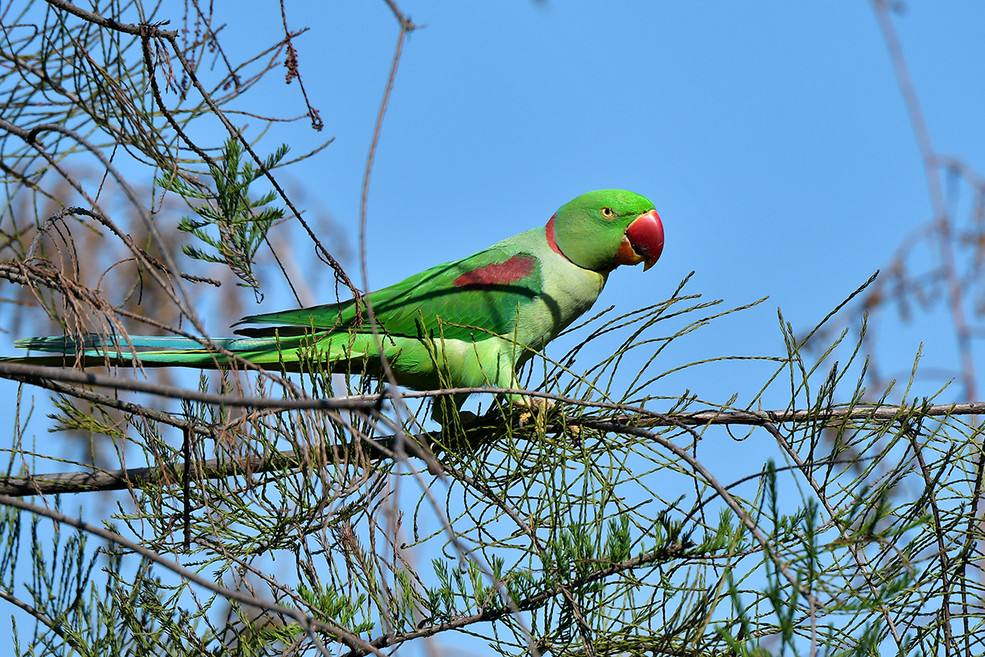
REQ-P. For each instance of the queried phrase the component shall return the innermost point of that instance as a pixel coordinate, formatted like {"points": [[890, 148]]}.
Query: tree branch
{"points": [[111, 23], [29, 373], [383, 447]]}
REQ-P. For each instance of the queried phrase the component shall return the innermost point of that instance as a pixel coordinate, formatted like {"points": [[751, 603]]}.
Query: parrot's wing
{"points": [[468, 299]]}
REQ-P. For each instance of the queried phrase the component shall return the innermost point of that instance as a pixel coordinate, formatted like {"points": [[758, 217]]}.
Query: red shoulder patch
{"points": [[499, 273]]}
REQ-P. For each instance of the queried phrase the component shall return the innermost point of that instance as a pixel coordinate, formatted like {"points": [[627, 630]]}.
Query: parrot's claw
{"points": [[533, 410]]}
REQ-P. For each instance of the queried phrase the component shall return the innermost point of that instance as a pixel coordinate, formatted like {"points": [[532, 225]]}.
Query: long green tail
{"points": [[165, 351]]}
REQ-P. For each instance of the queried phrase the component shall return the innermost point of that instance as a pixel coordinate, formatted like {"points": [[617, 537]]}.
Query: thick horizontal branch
{"points": [[880, 412], [383, 447], [220, 468], [27, 373]]}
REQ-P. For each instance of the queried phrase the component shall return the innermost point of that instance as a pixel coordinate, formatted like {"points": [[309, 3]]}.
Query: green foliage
{"points": [[562, 534], [231, 222], [71, 417], [329, 605]]}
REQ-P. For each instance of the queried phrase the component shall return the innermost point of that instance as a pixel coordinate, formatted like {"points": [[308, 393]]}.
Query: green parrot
{"points": [[468, 323]]}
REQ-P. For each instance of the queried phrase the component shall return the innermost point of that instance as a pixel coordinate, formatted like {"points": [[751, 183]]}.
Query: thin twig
{"points": [[311, 625]]}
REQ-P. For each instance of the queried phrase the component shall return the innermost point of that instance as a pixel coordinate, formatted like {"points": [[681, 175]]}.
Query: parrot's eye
{"points": [[608, 213]]}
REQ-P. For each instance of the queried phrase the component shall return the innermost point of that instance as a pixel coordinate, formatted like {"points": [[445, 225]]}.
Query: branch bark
{"points": [[384, 447]]}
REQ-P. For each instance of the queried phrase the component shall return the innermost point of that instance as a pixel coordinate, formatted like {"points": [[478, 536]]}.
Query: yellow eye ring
{"points": [[608, 213]]}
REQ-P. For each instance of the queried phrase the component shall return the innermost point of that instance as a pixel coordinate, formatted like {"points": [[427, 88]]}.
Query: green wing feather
{"points": [[468, 300], [462, 300]]}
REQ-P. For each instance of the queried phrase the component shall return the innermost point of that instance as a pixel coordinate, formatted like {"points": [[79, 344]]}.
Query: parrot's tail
{"points": [[163, 351]]}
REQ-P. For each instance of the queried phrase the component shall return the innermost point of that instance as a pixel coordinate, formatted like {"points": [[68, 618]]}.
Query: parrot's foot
{"points": [[533, 410]]}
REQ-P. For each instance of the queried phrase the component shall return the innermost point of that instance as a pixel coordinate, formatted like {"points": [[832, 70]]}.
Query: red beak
{"points": [[646, 238]]}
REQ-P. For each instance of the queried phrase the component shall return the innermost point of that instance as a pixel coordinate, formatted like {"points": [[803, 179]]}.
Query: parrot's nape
{"points": [[468, 323]]}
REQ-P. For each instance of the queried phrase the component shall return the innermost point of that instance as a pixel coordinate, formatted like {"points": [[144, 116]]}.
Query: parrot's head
{"points": [[604, 229]]}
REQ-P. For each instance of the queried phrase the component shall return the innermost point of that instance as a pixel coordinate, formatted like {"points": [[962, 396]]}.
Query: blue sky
{"points": [[771, 136]]}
